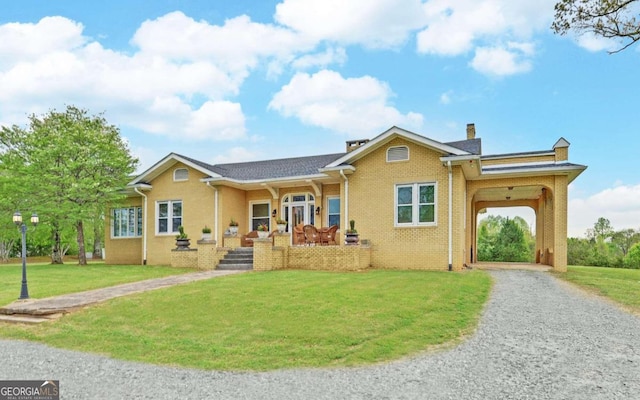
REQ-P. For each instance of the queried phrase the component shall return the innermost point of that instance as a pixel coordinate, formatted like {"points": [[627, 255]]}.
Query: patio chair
{"points": [[298, 235], [311, 234], [328, 235], [247, 240]]}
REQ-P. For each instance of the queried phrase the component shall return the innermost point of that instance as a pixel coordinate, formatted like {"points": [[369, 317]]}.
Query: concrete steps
{"points": [[237, 259]]}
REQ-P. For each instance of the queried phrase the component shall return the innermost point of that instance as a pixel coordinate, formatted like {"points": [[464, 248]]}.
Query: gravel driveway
{"points": [[538, 339]]}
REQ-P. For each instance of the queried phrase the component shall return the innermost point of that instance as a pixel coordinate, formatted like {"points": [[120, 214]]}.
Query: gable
{"points": [[169, 163], [388, 136]]}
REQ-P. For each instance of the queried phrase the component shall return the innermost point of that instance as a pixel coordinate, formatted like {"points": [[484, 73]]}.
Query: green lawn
{"points": [[620, 285], [280, 319], [46, 280]]}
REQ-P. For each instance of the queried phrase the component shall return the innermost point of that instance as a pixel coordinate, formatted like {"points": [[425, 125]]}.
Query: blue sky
{"points": [[225, 81]]}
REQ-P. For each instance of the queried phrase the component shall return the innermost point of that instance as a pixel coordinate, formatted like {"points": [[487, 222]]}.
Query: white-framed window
{"points": [[333, 211], [260, 214], [169, 216], [180, 174], [126, 222], [397, 153], [415, 204]]}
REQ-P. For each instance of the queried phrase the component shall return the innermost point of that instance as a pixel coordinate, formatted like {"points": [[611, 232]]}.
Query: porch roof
{"points": [[538, 168]]}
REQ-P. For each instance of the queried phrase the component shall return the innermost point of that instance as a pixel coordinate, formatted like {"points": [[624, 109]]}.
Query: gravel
{"points": [[538, 338]]}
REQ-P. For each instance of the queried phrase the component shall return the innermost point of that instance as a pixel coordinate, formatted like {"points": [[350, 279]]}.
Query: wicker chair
{"points": [[298, 235], [328, 235], [247, 240], [311, 234]]}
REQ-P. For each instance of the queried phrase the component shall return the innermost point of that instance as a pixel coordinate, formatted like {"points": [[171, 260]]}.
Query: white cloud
{"points": [[594, 43], [445, 98], [456, 27], [176, 84], [330, 56], [27, 42], [235, 46], [380, 23], [500, 61], [620, 205], [353, 106]]}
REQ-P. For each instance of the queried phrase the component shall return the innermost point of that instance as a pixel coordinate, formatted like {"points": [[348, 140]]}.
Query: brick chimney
{"points": [[354, 144], [471, 131]]}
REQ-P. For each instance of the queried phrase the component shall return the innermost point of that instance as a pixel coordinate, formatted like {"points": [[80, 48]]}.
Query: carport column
{"points": [[450, 215], [560, 224]]}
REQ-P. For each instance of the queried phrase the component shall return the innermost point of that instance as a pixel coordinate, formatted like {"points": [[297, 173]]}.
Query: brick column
{"points": [[207, 254], [262, 257]]}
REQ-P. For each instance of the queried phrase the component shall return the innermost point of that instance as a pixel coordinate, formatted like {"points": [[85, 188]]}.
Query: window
{"points": [[181, 174], [333, 211], [398, 153], [416, 204], [169, 216], [126, 222], [260, 215]]}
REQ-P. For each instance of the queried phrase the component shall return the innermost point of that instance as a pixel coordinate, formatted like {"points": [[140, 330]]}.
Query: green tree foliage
{"points": [[612, 19], [632, 259], [68, 166], [603, 247], [504, 239]]}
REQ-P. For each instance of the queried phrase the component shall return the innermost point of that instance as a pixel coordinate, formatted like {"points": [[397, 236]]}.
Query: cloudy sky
{"points": [[226, 81]]}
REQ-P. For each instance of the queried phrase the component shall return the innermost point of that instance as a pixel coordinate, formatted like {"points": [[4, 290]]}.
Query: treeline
{"points": [[605, 247], [504, 239]]}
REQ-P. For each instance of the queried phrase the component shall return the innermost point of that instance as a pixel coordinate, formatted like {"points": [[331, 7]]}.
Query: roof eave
{"points": [[572, 172]]}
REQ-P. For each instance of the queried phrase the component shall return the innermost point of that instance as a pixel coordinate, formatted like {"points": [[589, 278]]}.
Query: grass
{"points": [[620, 285], [45, 280], [280, 319]]}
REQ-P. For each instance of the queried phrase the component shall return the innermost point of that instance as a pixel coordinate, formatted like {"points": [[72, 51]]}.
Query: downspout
{"points": [[215, 211], [144, 228], [346, 199], [450, 215]]}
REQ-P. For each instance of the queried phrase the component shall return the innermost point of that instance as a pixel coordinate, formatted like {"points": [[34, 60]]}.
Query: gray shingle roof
{"points": [[270, 169], [473, 146]]}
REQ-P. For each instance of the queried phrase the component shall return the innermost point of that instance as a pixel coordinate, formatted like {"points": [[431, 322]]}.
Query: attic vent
{"points": [[181, 174], [399, 153]]}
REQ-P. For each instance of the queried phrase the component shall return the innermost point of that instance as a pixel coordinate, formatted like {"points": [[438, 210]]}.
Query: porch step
{"points": [[237, 259], [28, 318]]}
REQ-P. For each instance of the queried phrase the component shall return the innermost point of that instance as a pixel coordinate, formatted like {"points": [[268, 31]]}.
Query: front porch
{"points": [[277, 252]]}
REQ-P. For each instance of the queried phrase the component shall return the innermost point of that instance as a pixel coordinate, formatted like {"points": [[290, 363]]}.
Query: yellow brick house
{"points": [[415, 201]]}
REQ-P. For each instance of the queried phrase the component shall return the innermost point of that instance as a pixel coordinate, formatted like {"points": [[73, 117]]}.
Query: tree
{"points": [[624, 239], [611, 19], [70, 166], [511, 244], [602, 229], [504, 239], [632, 259]]}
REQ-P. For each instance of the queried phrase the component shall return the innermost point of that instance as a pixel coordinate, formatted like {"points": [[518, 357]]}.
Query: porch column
{"points": [[560, 224]]}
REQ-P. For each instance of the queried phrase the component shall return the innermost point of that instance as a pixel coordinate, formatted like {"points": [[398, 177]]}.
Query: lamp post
{"points": [[17, 219]]}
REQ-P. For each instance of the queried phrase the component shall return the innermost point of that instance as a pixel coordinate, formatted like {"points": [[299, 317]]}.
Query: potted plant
{"points": [[351, 235], [182, 240], [233, 227], [263, 231], [282, 225], [206, 233]]}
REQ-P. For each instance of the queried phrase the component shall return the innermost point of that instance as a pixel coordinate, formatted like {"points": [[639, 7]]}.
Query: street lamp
{"points": [[17, 219]]}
